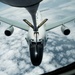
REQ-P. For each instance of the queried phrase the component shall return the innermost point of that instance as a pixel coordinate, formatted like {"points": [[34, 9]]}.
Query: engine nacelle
{"points": [[9, 31], [65, 30]]}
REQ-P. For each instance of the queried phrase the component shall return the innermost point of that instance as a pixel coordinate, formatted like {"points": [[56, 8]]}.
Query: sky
{"points": [[59, 50]]}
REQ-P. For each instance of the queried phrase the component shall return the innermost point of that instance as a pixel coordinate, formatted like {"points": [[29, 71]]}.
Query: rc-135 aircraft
{"points": [[36, 37]]}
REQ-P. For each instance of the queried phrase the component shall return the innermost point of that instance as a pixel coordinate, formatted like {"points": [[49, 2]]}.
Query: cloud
{"points": [[68, 4], [45, 1], [3, 73], [8, 66]]}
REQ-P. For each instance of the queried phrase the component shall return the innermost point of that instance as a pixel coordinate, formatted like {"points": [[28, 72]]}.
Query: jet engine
{"points": [[9, 31], [65, 30]]}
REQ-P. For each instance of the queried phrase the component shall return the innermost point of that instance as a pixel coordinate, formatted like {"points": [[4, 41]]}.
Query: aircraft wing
{"points": [[60, 22], [14, 23]]}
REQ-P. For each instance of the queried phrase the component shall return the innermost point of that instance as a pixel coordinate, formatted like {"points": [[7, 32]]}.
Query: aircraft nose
{"points": [[36, 53]]}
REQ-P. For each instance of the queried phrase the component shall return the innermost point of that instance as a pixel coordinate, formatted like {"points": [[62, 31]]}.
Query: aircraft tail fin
{"points": [[29, 24], [42, 23]]}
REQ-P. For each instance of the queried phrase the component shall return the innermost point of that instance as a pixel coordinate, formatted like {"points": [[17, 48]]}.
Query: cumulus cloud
{"points": [[45, 1]]}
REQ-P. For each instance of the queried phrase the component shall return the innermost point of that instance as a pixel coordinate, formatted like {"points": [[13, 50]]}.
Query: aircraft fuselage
{"points": [[36, 45]]}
